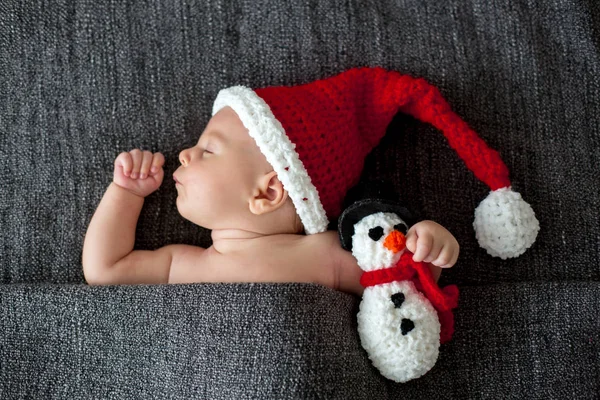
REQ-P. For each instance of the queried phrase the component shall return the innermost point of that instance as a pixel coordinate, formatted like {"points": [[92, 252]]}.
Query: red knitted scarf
{"points": [[443, 300]]}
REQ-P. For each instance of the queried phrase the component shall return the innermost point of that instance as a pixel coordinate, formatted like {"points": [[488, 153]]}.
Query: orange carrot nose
{"points": [[395, 241]]}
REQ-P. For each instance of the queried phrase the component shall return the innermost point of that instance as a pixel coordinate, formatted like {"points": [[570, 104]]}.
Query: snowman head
{"points": [[374, 230], [379, 240]]}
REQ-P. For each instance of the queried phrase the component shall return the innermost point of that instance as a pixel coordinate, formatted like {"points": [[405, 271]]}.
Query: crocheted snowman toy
{"points": [[404, 316]]}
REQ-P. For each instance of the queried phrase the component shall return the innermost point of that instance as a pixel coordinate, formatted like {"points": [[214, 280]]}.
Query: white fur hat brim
{"points": [[270, 136]]}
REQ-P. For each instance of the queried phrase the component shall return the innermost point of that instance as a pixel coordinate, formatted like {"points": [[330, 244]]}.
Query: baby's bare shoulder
{"points": [[277, 258], [343, 264], [313, 254]]}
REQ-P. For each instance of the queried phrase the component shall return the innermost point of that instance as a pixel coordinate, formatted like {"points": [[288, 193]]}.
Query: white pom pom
{"points": [[505, 224]]}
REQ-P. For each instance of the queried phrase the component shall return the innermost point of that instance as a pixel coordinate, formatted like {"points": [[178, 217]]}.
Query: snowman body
{"points": [[399, 329], [397, 324]]}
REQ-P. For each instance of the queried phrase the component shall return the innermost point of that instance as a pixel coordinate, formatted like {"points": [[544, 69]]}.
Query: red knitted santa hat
{"points": [[317, 136]]}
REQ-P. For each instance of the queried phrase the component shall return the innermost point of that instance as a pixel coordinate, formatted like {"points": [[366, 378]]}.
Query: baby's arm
{"points": [[108, 256], [110, 238]]}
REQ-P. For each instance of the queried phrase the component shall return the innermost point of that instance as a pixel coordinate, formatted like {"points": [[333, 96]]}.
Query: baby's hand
{"points": [[139, 172], [432, 243]]}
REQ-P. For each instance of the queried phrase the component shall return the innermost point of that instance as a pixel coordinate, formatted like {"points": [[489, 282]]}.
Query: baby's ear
{"points": [[268, 195]]}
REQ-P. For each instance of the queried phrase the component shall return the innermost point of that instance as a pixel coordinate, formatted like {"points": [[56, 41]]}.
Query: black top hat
{"points": [[366, 198]]}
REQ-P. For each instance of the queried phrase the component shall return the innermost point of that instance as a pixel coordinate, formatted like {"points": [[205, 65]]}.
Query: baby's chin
{"points": [[185, 215], [196, 219]]}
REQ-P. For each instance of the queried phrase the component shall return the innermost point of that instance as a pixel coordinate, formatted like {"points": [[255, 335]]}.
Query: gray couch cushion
{"points": [[288, 341], [82, 81]]}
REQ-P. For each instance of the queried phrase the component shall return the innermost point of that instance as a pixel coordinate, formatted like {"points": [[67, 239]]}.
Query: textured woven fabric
{"points": [[211, 341], [82, 81]]}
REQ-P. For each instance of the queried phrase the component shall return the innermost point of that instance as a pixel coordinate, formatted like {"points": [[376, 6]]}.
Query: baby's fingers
{"points": [[136, 157], [445, 256], [448, 256], [157, 162], [411, 241], [124, 161], [453, 259], [424, 244], [146, 162], [435, 251]]}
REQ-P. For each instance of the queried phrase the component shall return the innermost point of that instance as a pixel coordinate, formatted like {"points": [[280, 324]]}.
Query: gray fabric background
{"points": [[297, 341], [82, 81]]}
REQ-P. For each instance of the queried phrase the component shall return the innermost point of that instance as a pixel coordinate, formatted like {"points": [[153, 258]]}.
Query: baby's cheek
{"points": [[229, 189]]}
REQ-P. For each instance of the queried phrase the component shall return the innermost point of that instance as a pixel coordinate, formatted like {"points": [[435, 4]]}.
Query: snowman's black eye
{"points": [[376, 233], [401, 228]]}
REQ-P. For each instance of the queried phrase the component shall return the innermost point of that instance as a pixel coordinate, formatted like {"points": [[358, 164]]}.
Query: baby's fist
{"points": [[432, 243], [139, 171]]}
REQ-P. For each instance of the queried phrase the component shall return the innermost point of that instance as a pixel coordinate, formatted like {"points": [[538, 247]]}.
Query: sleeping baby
{"points": [[267, 176]]}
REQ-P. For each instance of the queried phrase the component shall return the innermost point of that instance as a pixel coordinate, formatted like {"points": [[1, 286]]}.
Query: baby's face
{"points": [[218, 175]]}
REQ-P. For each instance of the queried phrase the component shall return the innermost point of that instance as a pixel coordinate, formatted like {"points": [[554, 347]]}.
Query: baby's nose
{"points": [[183, 158]]}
